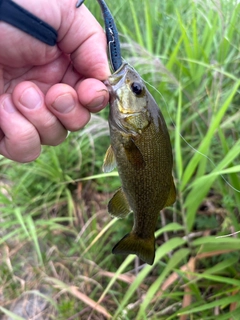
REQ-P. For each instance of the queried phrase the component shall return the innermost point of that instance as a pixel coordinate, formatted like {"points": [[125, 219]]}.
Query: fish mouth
{"points": [[117, 79]]}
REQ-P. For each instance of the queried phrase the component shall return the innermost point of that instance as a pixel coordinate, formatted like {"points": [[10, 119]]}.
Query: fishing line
{"points": [[199, 152], [228, 235]]}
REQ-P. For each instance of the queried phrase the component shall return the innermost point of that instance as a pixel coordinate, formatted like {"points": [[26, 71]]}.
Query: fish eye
{"points": [[137, 88]]}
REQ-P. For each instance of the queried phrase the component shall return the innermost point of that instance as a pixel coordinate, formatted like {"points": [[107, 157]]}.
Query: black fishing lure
{"points": [[111, 34]]}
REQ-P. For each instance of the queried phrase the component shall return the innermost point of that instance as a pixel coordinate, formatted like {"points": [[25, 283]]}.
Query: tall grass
{"points": [[55, 229]]}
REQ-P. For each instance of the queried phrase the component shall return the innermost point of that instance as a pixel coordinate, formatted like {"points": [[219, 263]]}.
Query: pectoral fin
{"points": [[118, 206], [109, 162], [134, 155], [172, 195]]}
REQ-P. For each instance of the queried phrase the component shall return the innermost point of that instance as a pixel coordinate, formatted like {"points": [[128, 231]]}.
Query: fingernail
{"points": [[64, 103], [96, 103], [30, 98], [8, 106]]}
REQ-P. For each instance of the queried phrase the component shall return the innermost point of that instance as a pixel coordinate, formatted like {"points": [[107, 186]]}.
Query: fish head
{"points": [[129, 100], [128, 88]]}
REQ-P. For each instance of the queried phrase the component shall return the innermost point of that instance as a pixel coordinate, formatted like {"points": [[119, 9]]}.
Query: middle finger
{"points": [[29, 100]]}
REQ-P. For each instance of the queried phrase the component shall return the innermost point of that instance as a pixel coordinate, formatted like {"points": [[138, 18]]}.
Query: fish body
{"points": [[141, 150]]}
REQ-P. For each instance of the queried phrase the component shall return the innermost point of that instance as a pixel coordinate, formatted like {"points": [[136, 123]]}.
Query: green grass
{"points": [[54, 226]]}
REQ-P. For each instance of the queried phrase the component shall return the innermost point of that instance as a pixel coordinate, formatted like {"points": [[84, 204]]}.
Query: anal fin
{"points": [[118, 206]]}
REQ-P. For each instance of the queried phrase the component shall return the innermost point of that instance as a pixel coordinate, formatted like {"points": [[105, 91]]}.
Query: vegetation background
{"points": [[55, 233]]}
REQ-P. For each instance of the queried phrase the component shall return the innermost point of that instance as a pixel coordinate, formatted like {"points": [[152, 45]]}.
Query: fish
{"points": [[140, 149]]}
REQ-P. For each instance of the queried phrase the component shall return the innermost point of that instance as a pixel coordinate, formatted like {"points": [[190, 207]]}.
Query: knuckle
{"points": [[52, 132], [25, 147], [58, 140]]}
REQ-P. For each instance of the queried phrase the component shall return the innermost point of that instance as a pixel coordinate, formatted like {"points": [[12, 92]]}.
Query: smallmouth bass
{"points": [[141, 150]]}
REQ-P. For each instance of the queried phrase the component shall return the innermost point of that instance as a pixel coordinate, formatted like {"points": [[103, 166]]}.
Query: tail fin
{"points": [[133, 244]]}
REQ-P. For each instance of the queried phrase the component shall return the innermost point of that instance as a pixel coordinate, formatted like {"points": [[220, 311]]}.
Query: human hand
{"points": [[44, 90]]}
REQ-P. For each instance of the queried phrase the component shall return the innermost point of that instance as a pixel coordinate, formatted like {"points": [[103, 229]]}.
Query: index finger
{"points": [[86, 42]]}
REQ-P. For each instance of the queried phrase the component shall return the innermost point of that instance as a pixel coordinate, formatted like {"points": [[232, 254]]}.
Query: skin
{"points": [[44, 90]]}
